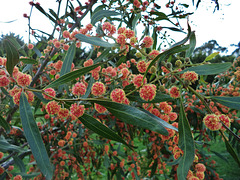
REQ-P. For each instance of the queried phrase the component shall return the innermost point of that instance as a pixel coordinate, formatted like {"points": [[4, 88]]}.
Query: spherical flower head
{"points": [[129, 33], [154, 53], [106, 26], [63, 113], [23, 79], [136, 3], [118, 95], [89, 27], [49, 91], [174, 92], [125, 72], [30, 46], [147, 42], [200, 167], [65, 47], [142, 66], [4, 81], [52, 107], [16, 98], [133, 40], [212, 122], [200, 175], [58, 65], [193, 178], [121, 39], [57, 44], [98, 89], [87, 63], [79, 89], [121, 30], [225, 119], [14, 90], [30, 96], [138, 80], [77, 110], [190, 76], [66, 34], [99, 108], [148, 92], [172, 116]]}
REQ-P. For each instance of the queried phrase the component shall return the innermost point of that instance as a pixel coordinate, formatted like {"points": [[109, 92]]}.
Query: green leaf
{"points": [[104, 55], [12, 55], [19, 163], [230, 149], [39, 7], [135, 20], [101, 14], [67, 63], [192, 45], [4, 124], [160, 97], [211, 56], [132, 115], [94, 40], [34, 138], [209, 69], [28, 61], [101, 129], [72, 75], [232, 102], [186, 143], [13, 40], [164, 123], [6, 146]]}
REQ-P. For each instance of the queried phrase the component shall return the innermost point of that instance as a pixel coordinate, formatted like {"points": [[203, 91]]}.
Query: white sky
{"points": [[223, 25]]}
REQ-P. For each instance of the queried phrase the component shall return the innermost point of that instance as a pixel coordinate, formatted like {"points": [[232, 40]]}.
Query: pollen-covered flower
{"points": [[49, 91], [129, 33], [137, 80], [99, 108], [30, 46], [79, 89], [200, 167], [77, 110], [23, 79], [225, 119], [174, 92], [66, 34], [87, 63], [118, 95], [148, 92], [63, 113], [212, 122], [142, 66], [98, 89], [52, 107], [125, 72], [136, 3], [121, 39], [147, 42], [190, 76], [4, 81]]}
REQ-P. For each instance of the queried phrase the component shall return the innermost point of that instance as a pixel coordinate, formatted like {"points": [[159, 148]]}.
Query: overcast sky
{"points": [[223, 25]]}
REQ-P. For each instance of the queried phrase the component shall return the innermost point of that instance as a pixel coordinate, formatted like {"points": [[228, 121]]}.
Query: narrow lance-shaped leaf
{"points": [[209, 69], [101, 14], [12, 55], [101, 129], [6, 146], [132, 115], [232, 102], [4, 124], [230, 149], [186, 143], [72, 75], [192, 45], [28, 61], [67, 63], [211, 56], [160, 97], [94, 41], [34, 138]]}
